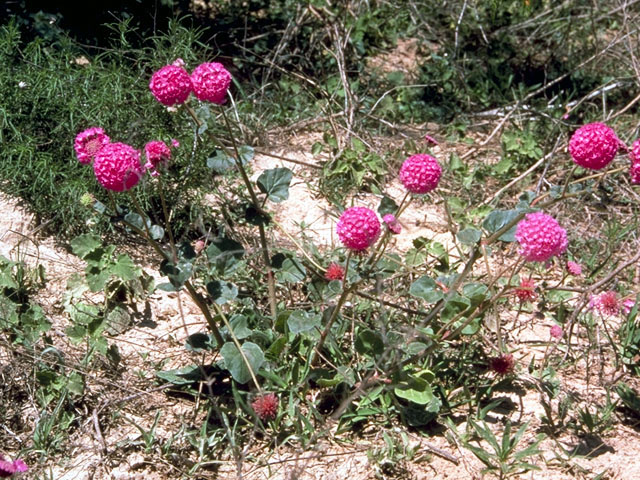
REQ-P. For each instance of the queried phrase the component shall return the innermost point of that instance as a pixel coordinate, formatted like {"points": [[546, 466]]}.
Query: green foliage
{"points": [[502, 458]]}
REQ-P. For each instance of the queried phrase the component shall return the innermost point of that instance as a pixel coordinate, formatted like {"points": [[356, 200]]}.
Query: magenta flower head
{"points": [[117, 167], [420, 173], [157, 154], [266, 406], [634, 171], [358, 228], [88, 143], [392, 223], [211, 82], [605, 303], [540, 237], [8, 468], [593, 146], [171, 85], [628, 305], [556, 332], [574, 268]]}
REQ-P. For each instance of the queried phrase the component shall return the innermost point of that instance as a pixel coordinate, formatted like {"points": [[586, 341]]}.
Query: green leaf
{"points": [[85, 244], [177, 274], [387, 205], [224, 255], [498, 219], [235, 363], [415, 390], [157, 232], [469, 236], [292, 271], [181, 376], [301, 321], [239, 326], [426, 289], [197, 342], [124, 268], [222, 292], [275, 183], [369, 342], [220, 162]]}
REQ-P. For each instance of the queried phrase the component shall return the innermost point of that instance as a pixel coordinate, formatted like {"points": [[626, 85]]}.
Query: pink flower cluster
{"points": [[8, 468], [117, 165], [157, 154], [540, 237], [88, 143], [574, 268], [171, 85], [420, 173], [593, 146], [392, 223], [634, 171], [358, 228]]}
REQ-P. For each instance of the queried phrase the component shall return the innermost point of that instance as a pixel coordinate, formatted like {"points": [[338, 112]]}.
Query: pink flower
{"points": [[88, 143], [8, 468], [157, 154], [171, 85], [574, 268], [430, 140], [634, 171], [605, 303], [175, 143], [502, 365], [556, 331], [334, 272], [211, 82], [526, 292], [628, 305], [117, 167], [540, 237], [593, 146], [358, 228], [266, 406], [420, 173], [199, 246], [392, 223]]}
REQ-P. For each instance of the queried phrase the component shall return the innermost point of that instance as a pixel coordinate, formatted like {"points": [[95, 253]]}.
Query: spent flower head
{"points": [[88, 143], [526, 292], [334, 272], [594, 145], [117, 167], [211, 82], [358, 228], [266, 406], [605, 303], [503, 364], [420, 173], [540, 237], [171, 85]]}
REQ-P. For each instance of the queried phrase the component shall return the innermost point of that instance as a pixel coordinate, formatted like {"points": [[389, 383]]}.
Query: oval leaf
{"points": [[236, 364], [275, 183]]}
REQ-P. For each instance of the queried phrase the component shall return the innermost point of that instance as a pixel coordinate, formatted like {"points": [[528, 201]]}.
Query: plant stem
{"points": [[195, 296], [334, 314], [254, 200]]}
